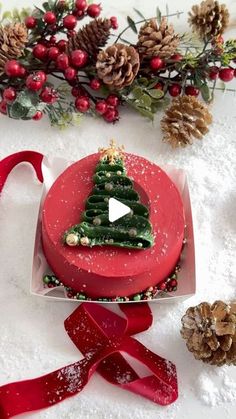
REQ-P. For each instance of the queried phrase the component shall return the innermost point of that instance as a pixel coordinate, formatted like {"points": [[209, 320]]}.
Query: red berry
{"points": [[101, 107], [40, 52], [112, 100], [79, 14], [53, 39], [174, 90], [62, 45], [173, 283], [62, 61], [12, 68], [70, 73], [50, 18], [75, 91], [79, 58], [114, 23], [213, 73], [34, 82], [22, 72], [111, 115], [176, 57], [49, 95], [82, 104], [156, 63], [191, 91], [162, 286], [235, 72], [226, 74], [159, 86], [81, 5], [3, 107], [38, 116], [69, 22], [94, 10], [42, 76], [30, 22], [53, 53], [95, 84], [9, 94]]}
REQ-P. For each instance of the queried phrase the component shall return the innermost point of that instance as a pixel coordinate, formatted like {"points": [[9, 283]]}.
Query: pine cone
{"points": [[186, 117], [13, 38], [210, 332], [91, 37], [209, 19], [118, 65], [157, 40]]}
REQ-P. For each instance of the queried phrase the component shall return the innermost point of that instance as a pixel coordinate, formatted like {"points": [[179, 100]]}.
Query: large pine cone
{"points": [[156, 40], [91, 37], [13, 38], [210, 332], [186, 118], [209, 19], [118, 65]]}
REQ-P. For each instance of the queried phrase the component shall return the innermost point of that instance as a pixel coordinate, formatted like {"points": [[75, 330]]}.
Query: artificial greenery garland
{"points": [[49, 64]]}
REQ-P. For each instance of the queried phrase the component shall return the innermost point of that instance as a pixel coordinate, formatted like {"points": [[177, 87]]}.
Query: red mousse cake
{"points": [[87, 258]]}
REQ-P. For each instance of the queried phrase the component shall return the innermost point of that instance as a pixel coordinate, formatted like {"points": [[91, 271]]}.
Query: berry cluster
{"points": [[159, 67], [49, 56]]}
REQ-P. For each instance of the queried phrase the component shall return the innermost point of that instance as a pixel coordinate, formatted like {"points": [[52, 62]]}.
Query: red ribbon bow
{"points": [[101, 336]]}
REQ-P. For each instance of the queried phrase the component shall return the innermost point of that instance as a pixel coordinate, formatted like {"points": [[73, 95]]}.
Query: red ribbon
{"points": [[101, 336], [7, 164]]}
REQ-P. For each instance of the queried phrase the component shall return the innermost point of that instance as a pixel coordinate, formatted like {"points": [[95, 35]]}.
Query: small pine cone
{"points": [[156, 40], [209, 19], [118, 65], [186, 118], [91, 37], [13, 38], [210, 332]]}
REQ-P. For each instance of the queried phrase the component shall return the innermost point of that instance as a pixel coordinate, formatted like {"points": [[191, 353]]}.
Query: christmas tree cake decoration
{"points": [[210, 332], [133, 230]]}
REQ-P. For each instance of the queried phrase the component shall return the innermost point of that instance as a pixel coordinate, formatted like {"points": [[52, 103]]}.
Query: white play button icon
{"points": [[117, 210]]}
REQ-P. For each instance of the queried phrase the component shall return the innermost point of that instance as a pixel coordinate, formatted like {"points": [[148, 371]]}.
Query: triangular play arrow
{"points": [[117, 210]]}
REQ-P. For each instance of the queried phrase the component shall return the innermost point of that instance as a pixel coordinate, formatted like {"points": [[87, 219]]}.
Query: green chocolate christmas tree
{"points": [[110, 180]]}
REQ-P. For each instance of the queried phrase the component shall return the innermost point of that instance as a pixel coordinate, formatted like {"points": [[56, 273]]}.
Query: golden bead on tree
{"points": [[210, 332], [185, 119], [118, 65], [13, 39], [157, 40], [209, 19]]}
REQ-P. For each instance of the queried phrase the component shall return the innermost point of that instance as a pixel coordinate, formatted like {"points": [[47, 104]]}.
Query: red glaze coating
{"points": [[110, 271]]}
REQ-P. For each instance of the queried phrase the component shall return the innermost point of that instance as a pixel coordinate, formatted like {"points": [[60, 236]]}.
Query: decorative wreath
{"points": [[50, 65]]}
